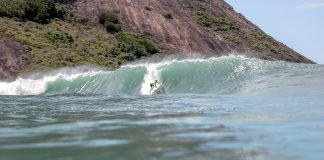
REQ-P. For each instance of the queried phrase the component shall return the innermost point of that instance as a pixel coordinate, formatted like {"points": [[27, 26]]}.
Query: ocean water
{"points": [[228, 108]]}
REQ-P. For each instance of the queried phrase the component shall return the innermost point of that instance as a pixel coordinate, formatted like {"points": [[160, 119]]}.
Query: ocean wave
{"points": [[230, 75]]}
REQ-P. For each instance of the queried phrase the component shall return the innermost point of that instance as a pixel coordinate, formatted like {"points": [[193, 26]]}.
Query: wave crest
{"points": [[224, 76]]}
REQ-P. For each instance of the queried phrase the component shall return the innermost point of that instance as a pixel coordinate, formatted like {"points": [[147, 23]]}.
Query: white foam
{"points": [[36, 86], [152, 74]]}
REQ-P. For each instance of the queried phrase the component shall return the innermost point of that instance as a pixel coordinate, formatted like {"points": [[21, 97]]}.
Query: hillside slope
{"points": [[154, 27], [191, 28]]}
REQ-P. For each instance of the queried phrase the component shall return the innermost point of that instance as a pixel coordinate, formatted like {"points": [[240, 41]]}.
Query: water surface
{"points": [[224, 108]]}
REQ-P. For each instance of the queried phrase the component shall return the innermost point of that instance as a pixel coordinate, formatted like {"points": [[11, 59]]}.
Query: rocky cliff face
{"points": [[183, 34], [180, 33], [10, 58]]}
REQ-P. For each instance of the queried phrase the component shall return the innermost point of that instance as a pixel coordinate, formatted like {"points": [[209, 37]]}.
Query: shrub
{"points": [[108, 16], [232, 37], [223, 24], [263, 43], [149, 46], [35, 10], [57, 36], [126, 57], [216, 23], [137, 45], [167, 16], [148, 8], [202, 18], [13, 8], [112, 27], [110, 21], [40, 10], [65, 1], [225, 27]]}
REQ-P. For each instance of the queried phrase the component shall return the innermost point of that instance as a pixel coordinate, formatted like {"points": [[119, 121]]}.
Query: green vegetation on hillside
{"points": [[265, 44], [231, 32], [134, 46], [216, 23], [167, 16], [110, 21], [57, 37], [35, 10], [228, 29], [73, 40]]}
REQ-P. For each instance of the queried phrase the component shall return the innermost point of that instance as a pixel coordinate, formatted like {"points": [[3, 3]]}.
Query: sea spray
{"points": [[153, 73], [37, 83]]}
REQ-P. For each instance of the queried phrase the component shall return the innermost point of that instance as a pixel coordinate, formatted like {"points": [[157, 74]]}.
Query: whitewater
{"points": [[230, 107]]}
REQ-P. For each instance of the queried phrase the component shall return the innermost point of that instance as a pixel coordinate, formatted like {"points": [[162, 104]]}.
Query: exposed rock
{"points": [[182, 33], [10, 58]]}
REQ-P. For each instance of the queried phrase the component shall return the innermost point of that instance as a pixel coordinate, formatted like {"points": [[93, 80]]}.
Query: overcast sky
{"points": [[297, 23]]}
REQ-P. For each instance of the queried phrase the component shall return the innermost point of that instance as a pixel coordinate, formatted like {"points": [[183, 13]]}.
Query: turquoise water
{"points": [[221, 108]]}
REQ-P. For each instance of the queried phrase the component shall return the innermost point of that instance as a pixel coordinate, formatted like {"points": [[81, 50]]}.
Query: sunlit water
{"points": [[229, 108]]}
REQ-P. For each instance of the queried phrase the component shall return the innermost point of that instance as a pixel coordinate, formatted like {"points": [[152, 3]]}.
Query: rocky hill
{"points": [[130, 30]]}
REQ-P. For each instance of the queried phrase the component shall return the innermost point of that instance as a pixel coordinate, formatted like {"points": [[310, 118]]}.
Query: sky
{"points": [[297, 23]]}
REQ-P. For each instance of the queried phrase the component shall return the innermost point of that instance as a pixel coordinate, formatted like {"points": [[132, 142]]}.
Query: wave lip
{"points": [[230, 75]]}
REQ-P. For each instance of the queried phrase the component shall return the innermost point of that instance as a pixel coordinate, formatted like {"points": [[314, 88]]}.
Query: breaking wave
{"points": [[230, 75]]}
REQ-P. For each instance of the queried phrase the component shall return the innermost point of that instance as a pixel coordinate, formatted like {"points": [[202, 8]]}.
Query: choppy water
{"points": [[220, 108]]}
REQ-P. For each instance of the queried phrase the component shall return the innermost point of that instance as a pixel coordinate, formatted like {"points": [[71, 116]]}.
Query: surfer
{"points": [[154, 84]]}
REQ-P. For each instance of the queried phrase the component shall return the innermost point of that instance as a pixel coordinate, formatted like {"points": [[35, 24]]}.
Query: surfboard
{"points": [[158, 89]]}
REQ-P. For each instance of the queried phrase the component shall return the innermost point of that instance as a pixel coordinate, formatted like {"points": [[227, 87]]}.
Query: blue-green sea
{"points": [[226, 108]]}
